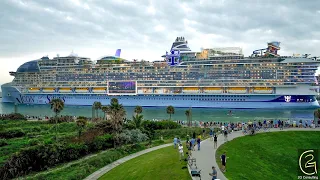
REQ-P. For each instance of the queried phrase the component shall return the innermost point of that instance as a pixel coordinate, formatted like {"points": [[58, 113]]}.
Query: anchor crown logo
{"points": [[287, 98], [174, 55]]}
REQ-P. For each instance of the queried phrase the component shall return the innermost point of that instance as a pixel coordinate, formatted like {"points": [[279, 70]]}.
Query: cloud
{"points": [[146, 28]]}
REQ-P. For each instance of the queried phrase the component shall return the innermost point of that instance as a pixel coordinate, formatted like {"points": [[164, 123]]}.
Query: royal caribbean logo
{"points": [[173, 57], [287, 98], [308, 164]]}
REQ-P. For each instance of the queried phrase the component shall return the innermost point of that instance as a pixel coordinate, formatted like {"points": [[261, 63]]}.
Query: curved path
{"points": [[205, 158], [108, 167]]}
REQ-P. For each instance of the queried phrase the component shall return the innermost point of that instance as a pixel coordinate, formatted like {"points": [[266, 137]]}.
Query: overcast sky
{"points": [[30, 29]]}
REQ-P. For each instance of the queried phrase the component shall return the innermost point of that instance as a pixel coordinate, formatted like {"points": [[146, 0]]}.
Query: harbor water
{"points": [[198, 114]]}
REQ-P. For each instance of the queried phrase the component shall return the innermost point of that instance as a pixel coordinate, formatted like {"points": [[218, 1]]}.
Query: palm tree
{"points": [[81, 123], [104, 110], [316, 116], [97, 105], [138, 109], [114, 101], [137, 121], [170, 111], [57, 106], [188, 113], [116, 113]]}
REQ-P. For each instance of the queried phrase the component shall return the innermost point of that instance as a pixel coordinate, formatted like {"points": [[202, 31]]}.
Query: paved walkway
{"points": [[205, 158], [108, 167]]}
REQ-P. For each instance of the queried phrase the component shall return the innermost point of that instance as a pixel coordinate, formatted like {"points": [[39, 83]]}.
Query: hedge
{"points": [[12, 116], [12, 133], [41, 157]]}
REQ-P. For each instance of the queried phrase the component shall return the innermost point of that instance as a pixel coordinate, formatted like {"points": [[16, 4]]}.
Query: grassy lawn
{"points": [[267, 155], [82, 168], [160, 164]]}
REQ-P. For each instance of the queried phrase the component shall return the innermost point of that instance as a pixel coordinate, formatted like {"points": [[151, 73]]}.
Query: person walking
{"points": [[223, 162], [181, 155], [193, 142], [225, 135], [175, 141], [198, 141], [211, 135], [190, 148], [215, 143], [214, 173]]}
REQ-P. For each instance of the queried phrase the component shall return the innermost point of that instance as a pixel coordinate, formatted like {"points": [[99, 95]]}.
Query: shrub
{"points": [[33, 134], [3, 142], [61, 119], [33, 142], [36, 129], [40, 157], [12, 133], [100, 143], [48, 141], [132, 136], [156, 125], [13, 116]]}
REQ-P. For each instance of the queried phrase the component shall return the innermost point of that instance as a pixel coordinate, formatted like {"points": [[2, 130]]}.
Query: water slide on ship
{"points": [[270, 51]]}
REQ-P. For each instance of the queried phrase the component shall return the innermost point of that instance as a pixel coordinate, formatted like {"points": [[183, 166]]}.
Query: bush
{"points": [[12, 133], [156, 125], [40, 157], [33, 142], [3, 142], [100, 143], [13, 116], [36, 129], [61, 119], [33, 134], [132, 136]]}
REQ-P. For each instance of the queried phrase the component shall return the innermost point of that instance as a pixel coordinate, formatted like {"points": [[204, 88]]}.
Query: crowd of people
{"points": [[225, 128], [270, 122]]}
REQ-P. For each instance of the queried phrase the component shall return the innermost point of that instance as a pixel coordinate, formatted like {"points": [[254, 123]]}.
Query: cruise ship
{"points": [[211, 78]]}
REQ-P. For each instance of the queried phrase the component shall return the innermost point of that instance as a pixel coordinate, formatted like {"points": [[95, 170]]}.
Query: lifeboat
{"points": [[48, 90], [81, 89], [99, 90], [34, 90], [65, 89], [263, 90], [159, 90], [218, 90], [237, 90], [144, 90], [190, 90]]}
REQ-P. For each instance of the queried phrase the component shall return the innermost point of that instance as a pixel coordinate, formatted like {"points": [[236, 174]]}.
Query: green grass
{"points": [[267, 155], [160, 164], [82, 168]]}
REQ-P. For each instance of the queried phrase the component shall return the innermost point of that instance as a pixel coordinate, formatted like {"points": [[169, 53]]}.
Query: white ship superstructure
{"points": [[213, 78]]}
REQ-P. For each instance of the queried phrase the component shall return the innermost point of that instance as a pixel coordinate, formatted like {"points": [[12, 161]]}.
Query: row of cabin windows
{"points": [[193, 99]]}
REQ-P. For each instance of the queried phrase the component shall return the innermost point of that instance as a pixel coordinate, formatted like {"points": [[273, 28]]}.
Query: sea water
{"points": [[198, 114]]}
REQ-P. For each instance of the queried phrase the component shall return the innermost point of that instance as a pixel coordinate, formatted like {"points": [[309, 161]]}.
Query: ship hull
{"points": [[224, 101]]}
